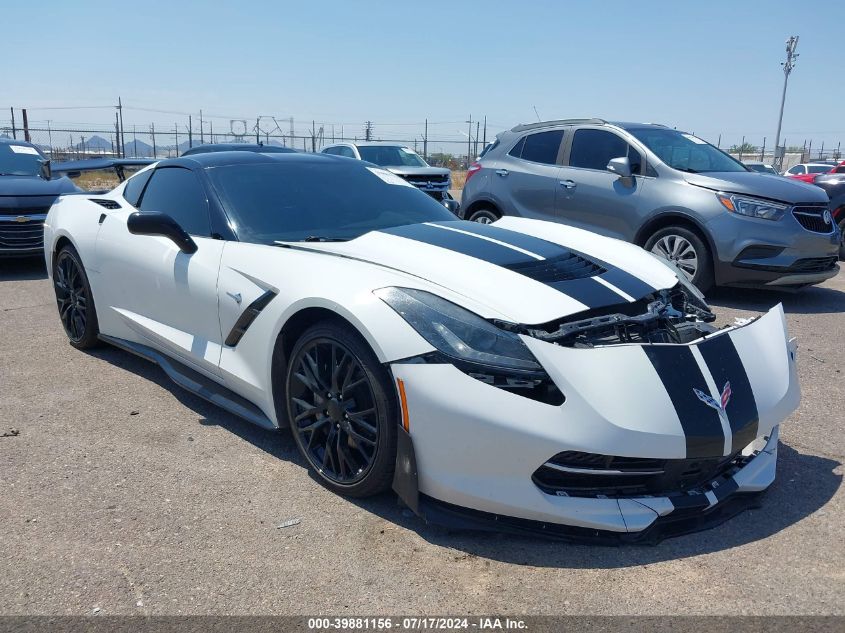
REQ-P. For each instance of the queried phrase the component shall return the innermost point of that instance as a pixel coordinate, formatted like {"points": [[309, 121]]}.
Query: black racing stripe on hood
{"points": [[725, 365], [567, 271], [541, 247], [460, 243], [678, 371], [589, 292]]}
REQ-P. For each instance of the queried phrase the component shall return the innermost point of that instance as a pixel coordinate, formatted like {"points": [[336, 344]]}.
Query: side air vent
{"points": [[562, 268], [247, 317], [108, 204]]}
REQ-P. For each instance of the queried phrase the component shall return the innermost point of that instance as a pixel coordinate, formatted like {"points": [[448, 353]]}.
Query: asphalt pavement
{"points": [[122, 494]]}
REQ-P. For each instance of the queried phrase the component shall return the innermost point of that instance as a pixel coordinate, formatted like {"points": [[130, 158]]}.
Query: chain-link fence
{"points": [[442, 143]]}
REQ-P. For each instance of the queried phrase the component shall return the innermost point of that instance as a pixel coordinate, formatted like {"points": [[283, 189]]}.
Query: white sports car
{"points": [[522, 375]]}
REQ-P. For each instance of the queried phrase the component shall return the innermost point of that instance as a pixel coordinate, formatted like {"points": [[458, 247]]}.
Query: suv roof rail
{"points": [[532, 126]]}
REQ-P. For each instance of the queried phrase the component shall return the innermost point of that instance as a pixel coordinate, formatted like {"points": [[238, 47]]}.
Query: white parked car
{"points": [[524, 374]]}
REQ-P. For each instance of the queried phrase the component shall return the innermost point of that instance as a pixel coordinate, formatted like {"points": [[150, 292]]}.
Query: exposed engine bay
{"points": [[667, 316]]}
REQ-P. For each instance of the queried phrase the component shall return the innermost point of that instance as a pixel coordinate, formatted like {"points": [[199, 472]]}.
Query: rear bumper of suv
{"points": [[798, 250]]}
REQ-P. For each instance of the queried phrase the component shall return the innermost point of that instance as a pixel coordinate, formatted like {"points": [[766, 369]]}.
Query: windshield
{"points": [[766, 169], [20, 160], [292, 202], [818, 169], [391, 156], [686, 152]]}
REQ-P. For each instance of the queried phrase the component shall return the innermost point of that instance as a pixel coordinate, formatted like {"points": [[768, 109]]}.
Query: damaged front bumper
{"points": [[476, 451]]}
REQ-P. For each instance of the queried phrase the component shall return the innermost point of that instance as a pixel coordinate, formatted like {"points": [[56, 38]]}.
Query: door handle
{"points": [[568, 184], [502, 172]]}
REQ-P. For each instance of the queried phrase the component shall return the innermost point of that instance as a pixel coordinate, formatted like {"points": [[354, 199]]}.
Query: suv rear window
{"points": [[541, 147], [594, 149]]}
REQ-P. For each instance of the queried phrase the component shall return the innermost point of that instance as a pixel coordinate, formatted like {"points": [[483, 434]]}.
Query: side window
{"points": [[178, 193], [593, 149], [516, 152], [346, 151], [839, 170], [335, 151], [134, 187], [798, 169], [541, 147]]}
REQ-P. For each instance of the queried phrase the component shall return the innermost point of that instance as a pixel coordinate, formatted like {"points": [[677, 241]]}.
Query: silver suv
{"points": [[668, 191]]}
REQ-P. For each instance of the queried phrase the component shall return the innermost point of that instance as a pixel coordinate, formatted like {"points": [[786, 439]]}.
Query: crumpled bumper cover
{"points": [[476, 446], [656, 519]]}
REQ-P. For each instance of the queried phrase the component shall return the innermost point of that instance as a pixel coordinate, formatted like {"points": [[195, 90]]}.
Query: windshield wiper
{"points": [[322, 238], [312, 238]]}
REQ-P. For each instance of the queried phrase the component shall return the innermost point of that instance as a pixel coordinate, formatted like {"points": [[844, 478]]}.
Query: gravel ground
{"points": [[122, 494]]}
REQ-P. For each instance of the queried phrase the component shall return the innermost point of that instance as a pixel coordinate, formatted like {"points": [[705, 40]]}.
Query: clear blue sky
{"points": [[708, 67]]}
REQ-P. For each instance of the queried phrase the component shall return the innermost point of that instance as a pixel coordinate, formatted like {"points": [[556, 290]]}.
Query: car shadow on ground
{"points": [[804, 486], [28, 269], [815, 300]]}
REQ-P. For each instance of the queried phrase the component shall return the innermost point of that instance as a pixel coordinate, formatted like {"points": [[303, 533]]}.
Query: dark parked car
{"points": [[237, 147], [834, 185], [27, 191]]}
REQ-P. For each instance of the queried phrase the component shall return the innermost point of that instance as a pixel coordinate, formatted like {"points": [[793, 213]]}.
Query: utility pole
{"points": [[477, 130], [116, 136], [190, 133], [50, 138], [368, 131], [788, 65], [485, 132], [14, 131], [153, 134], [469, 141], [202, 138], [176, 129], [26, 136], [292, 137], [257, 121], [425, 141], [122, 137], [211, 130]]}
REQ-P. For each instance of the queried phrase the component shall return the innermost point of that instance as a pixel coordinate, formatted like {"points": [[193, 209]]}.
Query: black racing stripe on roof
{"points": [[679, 372], [461, 243], [726, 366]]}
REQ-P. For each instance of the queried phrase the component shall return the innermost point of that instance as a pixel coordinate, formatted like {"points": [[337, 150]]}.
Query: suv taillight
{"points": [[473, 169]]}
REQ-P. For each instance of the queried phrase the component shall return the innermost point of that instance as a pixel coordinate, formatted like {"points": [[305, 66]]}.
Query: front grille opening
{"points": [[23, 235], [813, 219], [578, 474], [814, 264]]}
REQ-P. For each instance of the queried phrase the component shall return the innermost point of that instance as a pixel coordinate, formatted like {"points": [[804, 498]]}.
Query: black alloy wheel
{"points": [[342, 411], [74, 300]]}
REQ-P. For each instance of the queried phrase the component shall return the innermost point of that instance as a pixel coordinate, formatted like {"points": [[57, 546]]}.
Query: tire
{"points": [[686, 249], [484, 215], [842, 237], [343, 410], [74, 299]]}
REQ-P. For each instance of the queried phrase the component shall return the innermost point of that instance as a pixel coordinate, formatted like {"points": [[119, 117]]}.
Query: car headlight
{"points": [[458, 333], [752, 207]]}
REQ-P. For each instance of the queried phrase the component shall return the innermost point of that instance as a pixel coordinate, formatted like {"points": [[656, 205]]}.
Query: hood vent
{"points": [[562, 268]]}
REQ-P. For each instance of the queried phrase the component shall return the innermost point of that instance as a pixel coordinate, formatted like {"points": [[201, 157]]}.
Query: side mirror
{"points": [[620, 166], [154, 223], [453, 205], [46, 172]]}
